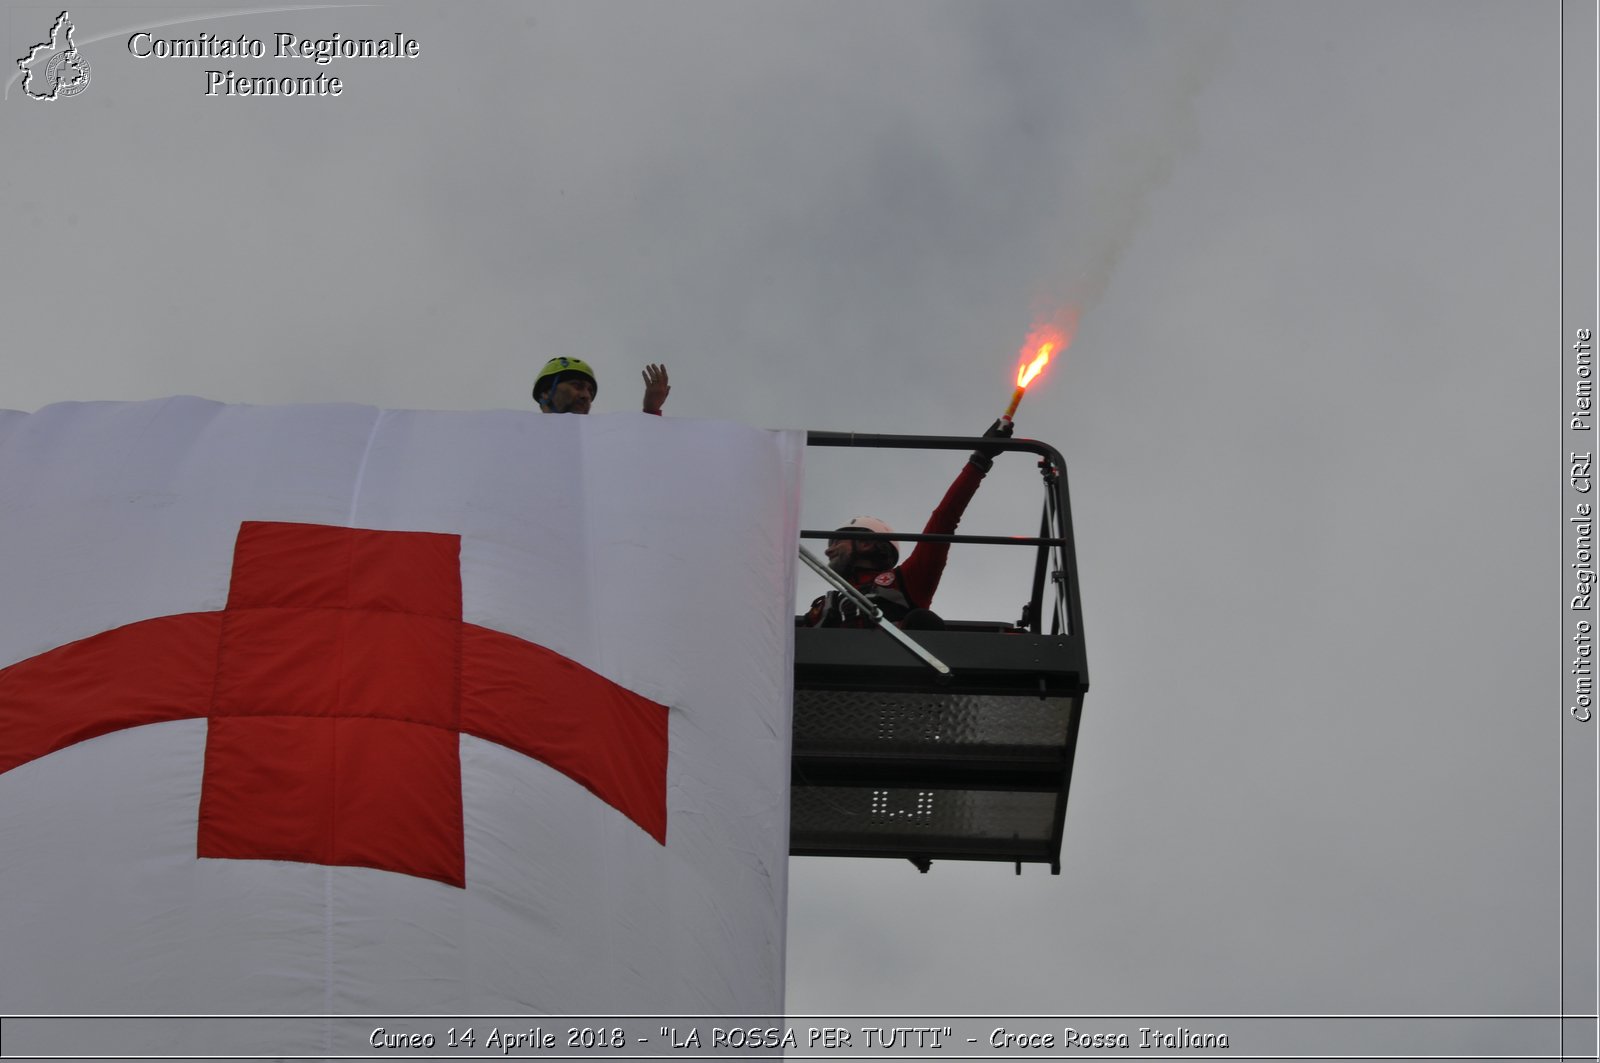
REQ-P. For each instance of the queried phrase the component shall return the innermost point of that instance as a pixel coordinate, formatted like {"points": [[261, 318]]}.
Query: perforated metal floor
{"points": [[935, 773], [928, 722]]}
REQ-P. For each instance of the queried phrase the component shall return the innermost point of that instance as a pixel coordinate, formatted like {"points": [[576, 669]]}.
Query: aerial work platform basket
{"points": [[895, 758]]}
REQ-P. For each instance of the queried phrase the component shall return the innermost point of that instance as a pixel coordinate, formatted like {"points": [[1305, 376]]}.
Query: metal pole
{"points": [[871, 609]]}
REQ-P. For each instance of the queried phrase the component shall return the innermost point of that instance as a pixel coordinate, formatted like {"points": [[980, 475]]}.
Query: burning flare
{"points": [[1042, 342]]}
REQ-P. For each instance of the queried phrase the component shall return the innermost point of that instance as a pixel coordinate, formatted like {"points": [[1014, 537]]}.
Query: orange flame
{"points": [[1043, 342], [1026, 374]]}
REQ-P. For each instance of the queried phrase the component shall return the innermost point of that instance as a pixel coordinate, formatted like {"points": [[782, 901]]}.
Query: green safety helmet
{"points": [[556, 367]]}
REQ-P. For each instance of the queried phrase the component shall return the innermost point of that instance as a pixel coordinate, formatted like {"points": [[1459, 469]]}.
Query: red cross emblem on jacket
{"points": [[336, 685]]}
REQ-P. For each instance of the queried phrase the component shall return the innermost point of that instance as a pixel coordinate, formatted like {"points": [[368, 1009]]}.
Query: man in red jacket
{"points": [[903, 591]]}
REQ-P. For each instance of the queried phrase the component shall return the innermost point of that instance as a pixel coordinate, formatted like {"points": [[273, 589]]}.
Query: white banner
{"points": [[333, 710]]}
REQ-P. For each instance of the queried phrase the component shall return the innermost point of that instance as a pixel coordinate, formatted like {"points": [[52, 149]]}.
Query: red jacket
{"points": [[912, 583]]}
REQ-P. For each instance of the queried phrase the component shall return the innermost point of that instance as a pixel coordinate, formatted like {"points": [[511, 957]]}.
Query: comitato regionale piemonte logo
{"points": [[55, 68]]}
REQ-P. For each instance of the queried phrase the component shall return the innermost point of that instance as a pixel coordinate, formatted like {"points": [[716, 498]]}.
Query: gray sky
{"points": [[1309, 413]]}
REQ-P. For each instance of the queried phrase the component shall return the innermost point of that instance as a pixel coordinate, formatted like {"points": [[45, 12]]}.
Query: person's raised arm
{"points": [[922, 571], [655, 388]]}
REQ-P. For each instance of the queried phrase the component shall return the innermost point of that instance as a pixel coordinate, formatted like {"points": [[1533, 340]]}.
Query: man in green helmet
{"points": [[567, 385]]}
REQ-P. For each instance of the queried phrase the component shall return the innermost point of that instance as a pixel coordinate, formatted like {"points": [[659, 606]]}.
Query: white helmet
{"points": [[873, 524]]}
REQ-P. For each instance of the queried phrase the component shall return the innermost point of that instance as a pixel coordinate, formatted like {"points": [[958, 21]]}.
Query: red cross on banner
{"points": [[336, 685]]}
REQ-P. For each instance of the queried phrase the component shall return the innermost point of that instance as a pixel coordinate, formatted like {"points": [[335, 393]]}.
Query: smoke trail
{"points": [[1149, 123]]}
